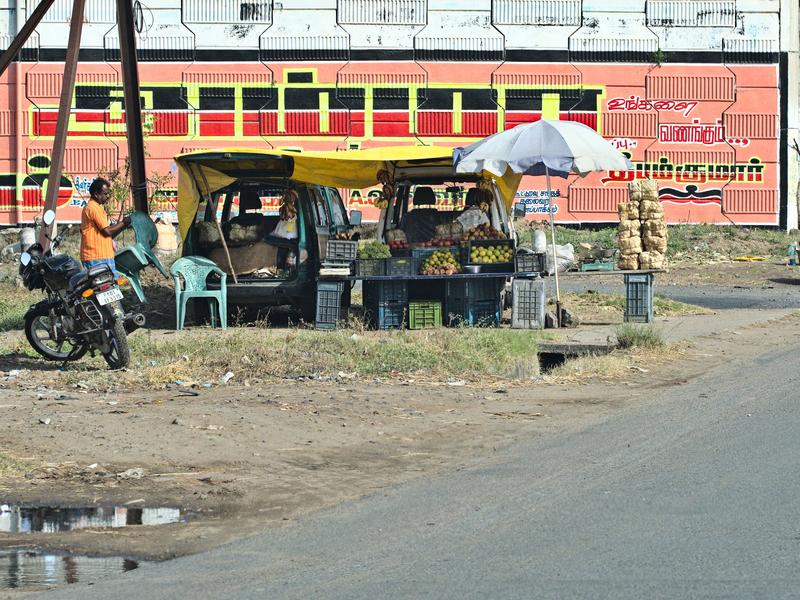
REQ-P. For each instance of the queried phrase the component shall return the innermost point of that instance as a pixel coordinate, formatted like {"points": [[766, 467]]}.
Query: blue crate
{"points": [[387, 315], [379, 292], [483, 313], [638, 298], [329, 304]]}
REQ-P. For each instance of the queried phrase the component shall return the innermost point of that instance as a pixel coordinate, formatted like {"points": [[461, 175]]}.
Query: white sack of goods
{"points": [[449, 231], [628, 211], [565, 257], [244, 234], [396, 235], [651, 260], [628, 262], [631, 245], [207, 233]]}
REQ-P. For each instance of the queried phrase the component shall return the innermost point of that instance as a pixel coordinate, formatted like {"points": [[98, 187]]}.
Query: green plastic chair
{"points": [[193, 272], [132, 259]]}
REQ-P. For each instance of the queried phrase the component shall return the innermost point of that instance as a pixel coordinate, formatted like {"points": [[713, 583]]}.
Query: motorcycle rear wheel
{"points": [[38, 331], [120, 355]]}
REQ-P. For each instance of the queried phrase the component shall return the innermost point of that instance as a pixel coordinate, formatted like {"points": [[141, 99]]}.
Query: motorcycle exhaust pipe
{"points": [[133, 321]]}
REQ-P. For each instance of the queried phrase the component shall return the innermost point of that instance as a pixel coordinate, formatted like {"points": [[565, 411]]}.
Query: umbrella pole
{"points": [[553, 243]]}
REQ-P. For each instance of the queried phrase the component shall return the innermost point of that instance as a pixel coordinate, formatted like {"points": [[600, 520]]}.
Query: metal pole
{"points": [[24, 33], [553, 243], [64, 109], [133, 107]]}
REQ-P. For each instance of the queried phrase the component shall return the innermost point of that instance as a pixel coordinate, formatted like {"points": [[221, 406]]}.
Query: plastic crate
{"points": [[423, 252], [483, 313], [424, 315], [368, 267], [401, 265], [380, 292], [387, 315], [343, 251], [478, 289], [329, 304], [639, 298], [528, 307], [529, 262]]}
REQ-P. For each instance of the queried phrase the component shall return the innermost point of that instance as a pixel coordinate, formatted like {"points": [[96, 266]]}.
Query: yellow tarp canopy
{"points": [[206, 171]]}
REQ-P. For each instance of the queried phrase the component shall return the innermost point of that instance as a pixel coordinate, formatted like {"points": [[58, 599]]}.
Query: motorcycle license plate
{"points": [[109, 296]]}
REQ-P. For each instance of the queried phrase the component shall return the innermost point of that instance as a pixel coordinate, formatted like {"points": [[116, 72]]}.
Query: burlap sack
{"points": [[628, 211], [628, 262], [449, 231], [649, 189], [651, 260], [632, 245], [626, 235], [627, 225], [654, 243], [246, 259], [207, 234], [654, 227]]}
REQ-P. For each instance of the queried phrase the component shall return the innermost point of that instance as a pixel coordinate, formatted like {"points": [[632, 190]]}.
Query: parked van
{"points": [[247, 211]]}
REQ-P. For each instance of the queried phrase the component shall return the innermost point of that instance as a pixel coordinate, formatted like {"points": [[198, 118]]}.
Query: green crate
{"points": [[424, 315]]}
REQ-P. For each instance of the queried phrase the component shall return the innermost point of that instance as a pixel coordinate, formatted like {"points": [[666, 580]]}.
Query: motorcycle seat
{"points": [[77, 279]]}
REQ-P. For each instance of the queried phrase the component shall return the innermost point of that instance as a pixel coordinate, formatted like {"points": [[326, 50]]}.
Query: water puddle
{"points": [[53, 519], [32, 569]]}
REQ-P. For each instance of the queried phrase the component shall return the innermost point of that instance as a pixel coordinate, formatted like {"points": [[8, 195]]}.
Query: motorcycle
{"points": [[82, 312]]}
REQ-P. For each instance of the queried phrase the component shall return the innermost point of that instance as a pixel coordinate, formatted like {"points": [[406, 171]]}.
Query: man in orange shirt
{"points": [[97, 246]]}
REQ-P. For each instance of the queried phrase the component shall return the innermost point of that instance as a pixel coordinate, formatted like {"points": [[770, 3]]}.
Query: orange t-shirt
{"points": [[94, 243]]}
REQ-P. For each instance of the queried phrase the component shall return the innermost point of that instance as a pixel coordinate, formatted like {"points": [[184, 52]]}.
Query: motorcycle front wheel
{"points": [[119, 355], [46, 334]]}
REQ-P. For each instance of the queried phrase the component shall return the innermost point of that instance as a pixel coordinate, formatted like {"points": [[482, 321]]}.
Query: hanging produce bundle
{"points": [[288, 208], [387, 190]]}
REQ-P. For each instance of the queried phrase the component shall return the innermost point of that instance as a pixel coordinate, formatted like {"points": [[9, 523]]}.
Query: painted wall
{"points": [[693, 95]]}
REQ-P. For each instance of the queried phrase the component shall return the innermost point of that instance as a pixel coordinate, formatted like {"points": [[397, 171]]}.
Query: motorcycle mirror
{"points": [[25, 259], [49, 217]]}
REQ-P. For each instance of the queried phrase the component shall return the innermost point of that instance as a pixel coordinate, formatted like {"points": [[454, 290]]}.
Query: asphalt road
{"points": [[691, 493], [779, 295]]}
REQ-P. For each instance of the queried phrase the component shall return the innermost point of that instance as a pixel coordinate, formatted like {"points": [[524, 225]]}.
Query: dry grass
{"points": [[594, 306], [12, 467], [614, 367]]}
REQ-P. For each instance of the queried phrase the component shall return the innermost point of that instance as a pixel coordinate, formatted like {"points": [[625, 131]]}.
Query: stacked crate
{"points": [[474, 302], [386, 303]]}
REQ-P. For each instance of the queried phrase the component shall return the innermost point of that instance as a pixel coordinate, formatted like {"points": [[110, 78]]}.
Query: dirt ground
{"points": [[243, 459]]}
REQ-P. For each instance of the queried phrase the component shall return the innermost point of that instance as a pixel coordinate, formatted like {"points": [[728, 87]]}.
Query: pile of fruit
{"points": [[399, 245], [373, 249], [491, 254], [484, 232], [441, 262], [343, 236], [443, 242]]}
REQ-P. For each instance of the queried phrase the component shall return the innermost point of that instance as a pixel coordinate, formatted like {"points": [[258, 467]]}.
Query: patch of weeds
{"points": [[630, 335], [13, 306], [12, 467]]}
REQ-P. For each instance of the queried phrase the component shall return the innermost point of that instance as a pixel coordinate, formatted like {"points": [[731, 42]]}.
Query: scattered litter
{"points": [[136, 473], [14, 373], [246, 360], [355, 337], [639, 369], [227, 377], [501, 391], [137, 501], [45, 421], [180, 382], [92, 466], [112, 403], [185, 358], [177, 421], [456, 382]]}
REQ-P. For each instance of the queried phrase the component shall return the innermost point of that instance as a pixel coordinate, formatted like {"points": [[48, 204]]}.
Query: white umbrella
{"points": [[542, 148]]}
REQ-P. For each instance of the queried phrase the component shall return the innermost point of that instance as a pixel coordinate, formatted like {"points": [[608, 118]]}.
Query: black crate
{"points": [[329, 304], [370, 267], [341, 251], [387, 315], [477, 289], [401, 265], [380, 292], [638, 298], [529, 262], [483, 313]]}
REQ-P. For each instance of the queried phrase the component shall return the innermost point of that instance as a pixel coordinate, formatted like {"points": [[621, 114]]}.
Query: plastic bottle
{"points": [[539, 241], [792, 254]]}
